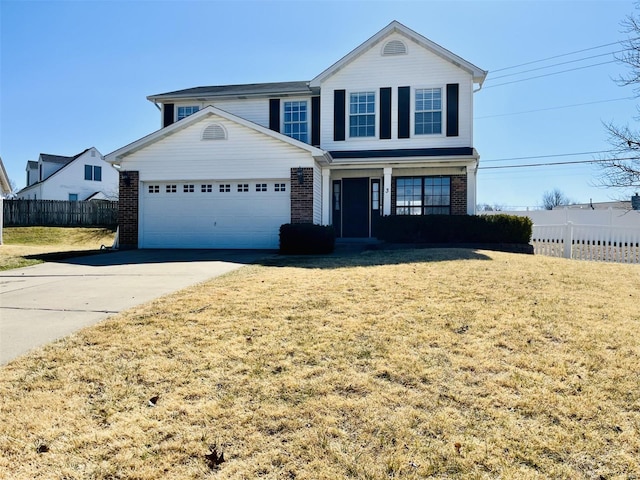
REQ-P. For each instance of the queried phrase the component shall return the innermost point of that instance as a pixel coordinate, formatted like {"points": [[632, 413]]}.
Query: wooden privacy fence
{"points": [[60, 213], [606, 243]]}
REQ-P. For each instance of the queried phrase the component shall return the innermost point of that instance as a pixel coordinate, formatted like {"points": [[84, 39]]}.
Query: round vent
{"points": [[394, 47], [214, 132]]}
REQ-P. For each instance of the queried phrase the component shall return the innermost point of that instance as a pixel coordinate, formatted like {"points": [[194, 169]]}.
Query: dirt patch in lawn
{"points": [[402, 364]]}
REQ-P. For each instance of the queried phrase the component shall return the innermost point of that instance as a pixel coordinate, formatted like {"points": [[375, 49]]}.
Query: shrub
{"points": [[455, 229], [306, 238]]}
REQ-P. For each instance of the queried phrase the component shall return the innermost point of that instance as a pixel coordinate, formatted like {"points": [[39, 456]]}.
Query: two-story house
{"points": [[84, 176], [386, 130]]}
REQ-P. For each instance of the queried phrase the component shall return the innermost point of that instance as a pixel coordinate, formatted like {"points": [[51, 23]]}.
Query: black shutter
{"points": [[452, 110], [339, 104], [274, 114], [404, 112], [385, 113], [315, 121], [167, 113]]}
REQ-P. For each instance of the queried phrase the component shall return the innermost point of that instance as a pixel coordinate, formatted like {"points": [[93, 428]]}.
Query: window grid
{"points": [[280, 187], [189, 188], [423, 196], [362, 114], [243, 187], [154, 188], [428, 111], [184, 112], [295, 121], [226, 188], [261, 187], [171, 188], [208, 188]]}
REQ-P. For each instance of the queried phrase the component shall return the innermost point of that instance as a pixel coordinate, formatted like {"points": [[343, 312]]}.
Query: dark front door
{"points": [[355, 207]]}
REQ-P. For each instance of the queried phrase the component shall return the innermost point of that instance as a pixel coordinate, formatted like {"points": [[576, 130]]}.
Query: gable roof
{"points": [[118, 155], [60, 159], [236, 91], [396, 27]]}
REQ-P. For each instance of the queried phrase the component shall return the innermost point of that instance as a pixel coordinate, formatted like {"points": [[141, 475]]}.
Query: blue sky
{"points": [[75, 74]]}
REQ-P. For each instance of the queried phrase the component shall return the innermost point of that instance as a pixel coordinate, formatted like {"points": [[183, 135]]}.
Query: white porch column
{"points": [[386, 189], [472, 181], [326, 196]]}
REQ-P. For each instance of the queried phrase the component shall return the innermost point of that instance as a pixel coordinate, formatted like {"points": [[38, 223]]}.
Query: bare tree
{"points": [[554, 198], [621, 169]]}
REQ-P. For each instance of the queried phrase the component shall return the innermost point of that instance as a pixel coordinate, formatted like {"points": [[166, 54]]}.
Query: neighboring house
{"points": [[81, 177], [386, 130]]}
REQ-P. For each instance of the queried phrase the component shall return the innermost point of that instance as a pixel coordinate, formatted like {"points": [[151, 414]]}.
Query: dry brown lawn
{"points": [[24, 246], [404, 364]]}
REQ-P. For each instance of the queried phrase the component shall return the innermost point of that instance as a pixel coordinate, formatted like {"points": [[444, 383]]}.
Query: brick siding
{"points": [[458, 194], [302, 196], [128, 210]]}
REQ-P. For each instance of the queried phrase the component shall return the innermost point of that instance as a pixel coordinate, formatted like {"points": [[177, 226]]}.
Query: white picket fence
{"points": [[607, 243]]}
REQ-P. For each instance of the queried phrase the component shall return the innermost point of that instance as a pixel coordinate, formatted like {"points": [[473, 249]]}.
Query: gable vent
{"points": [[394, 47], [214, 132]]}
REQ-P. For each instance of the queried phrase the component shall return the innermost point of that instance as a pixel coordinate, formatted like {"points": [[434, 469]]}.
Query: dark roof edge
{"points": [[405, 152], [245, 90]]}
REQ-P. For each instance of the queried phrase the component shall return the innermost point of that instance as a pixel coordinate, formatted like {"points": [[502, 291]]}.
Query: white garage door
{"points": [[239, 214]]}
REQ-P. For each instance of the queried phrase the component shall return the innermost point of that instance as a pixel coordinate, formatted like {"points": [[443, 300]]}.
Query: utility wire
{"points": [[550, 74], [557, 163], [563, 55], [553, 65], [546, 156], [555, 108]]}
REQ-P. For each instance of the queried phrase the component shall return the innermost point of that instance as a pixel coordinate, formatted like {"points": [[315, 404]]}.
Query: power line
{"points": [[558, 163], [555, 108], [553, 65], [550, 74], [546, 156], [540, 164], [561, 55]]}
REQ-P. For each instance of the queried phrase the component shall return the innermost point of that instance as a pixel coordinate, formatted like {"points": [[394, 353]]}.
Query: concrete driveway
{"points": [[42, 303]]}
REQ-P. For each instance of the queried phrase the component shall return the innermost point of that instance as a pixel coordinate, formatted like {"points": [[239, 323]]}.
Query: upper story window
{"points": [[93, 172], [428, 111], [296, 124], [362, 114], [184, 112]]}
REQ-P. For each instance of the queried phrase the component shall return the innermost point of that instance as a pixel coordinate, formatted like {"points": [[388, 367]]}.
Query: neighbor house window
{"points": [[73, 197], [428, 112], [362, 114], [184, 112], [423, 196], [93, 172], [295, 121]]}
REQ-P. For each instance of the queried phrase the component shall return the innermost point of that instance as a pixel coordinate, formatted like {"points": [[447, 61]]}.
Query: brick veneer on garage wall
{"points": [[128, 210], [458, 195], [302, 196]]}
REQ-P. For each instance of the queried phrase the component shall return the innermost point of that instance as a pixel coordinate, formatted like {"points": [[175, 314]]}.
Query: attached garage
{"points": [[213, 214], [213, 180]]}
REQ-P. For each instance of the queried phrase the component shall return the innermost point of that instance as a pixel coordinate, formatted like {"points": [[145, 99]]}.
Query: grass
{"points": [[405, 364], [24, 246]]}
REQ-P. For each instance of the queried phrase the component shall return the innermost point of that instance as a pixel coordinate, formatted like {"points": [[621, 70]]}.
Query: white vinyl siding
{"points": [[372, 71]]}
